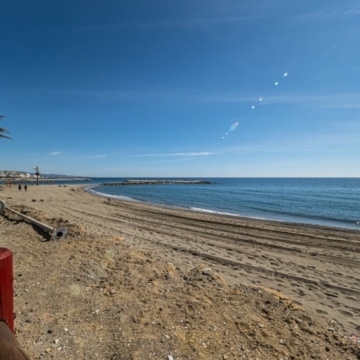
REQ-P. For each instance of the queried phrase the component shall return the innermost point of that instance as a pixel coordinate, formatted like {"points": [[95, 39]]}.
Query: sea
{"points": [[333, 202]]}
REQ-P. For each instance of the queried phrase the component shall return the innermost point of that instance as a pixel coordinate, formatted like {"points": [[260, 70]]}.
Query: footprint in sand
{"points": [[346, 313], [312, 288], [320, 311], [297, 303], [301, 292], [339, 274], [333, 295]]}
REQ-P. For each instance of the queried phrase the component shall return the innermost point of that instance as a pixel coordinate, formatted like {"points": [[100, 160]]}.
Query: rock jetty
{"points": [[156, 182]]}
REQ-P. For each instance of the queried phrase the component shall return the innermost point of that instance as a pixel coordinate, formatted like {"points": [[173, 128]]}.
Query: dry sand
{"points": [[135, 281]]}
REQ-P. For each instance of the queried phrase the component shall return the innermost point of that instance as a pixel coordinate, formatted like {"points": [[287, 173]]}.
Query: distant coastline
{"points": [[16, 180]]}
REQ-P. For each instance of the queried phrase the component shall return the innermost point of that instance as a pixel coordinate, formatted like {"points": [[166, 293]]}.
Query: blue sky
{"points": [[152, 88]]}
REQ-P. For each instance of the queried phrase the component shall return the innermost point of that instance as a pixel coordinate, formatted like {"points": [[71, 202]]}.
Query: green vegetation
{"points": [[3, 131]]}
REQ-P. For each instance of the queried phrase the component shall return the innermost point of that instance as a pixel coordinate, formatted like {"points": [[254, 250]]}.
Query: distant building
{"points": [[16, 174]]}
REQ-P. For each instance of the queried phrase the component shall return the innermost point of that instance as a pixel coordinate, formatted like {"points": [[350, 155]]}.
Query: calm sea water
{"points": [[323, 201]]}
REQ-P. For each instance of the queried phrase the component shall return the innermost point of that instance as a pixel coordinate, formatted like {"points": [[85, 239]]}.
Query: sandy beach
{"points": [[168, 265]]}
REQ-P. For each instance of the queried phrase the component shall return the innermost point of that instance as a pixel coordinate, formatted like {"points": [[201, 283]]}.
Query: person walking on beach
{"points": [[19, 187], [25, 187]]}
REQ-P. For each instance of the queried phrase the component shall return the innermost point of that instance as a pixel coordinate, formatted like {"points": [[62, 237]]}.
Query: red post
{"points": [[6, 288]]}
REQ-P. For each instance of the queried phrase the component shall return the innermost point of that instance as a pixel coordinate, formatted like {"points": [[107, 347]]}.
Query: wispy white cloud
{"points": [[352, 12], [103, 96], [331, 101], [54, 153], [99, 156], [330, 13], [183, 154], [204, 23], [319, 15], [310, 144], [329, 141]]}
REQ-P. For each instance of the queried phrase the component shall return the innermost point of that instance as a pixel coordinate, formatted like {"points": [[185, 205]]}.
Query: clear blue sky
{"points": [[152, 88]]}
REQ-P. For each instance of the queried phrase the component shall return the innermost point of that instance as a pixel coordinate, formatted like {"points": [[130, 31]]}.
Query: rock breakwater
{"points": [[156, 182]]}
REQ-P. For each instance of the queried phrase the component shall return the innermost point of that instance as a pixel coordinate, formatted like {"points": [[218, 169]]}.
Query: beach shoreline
{"points": [[317, 267], [324, 202], [88, 188]]}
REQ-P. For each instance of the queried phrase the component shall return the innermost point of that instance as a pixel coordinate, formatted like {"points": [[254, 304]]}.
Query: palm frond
{"points": [[3, 131]]}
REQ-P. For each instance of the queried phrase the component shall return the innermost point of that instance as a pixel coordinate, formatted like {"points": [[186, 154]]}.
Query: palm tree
{"points": [[3, 131], [37, 173]]}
